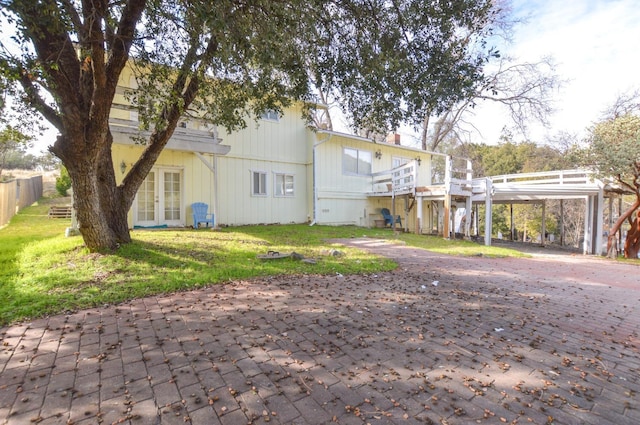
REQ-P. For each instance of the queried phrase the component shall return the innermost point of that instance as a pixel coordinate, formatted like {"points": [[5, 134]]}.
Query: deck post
{"points": [[419, 216], [446, 230], [467, 219], [476, 221]]}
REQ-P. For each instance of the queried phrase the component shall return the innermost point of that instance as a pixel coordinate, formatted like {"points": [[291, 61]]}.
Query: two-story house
{"points": [[277, 170]]}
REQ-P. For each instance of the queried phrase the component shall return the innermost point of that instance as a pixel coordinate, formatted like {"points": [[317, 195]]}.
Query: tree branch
{"points": [[80, 29], [123, 39], [37, 102]]}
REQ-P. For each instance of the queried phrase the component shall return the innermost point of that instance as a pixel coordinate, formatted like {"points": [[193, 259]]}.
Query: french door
{"points": [[159, 199]]}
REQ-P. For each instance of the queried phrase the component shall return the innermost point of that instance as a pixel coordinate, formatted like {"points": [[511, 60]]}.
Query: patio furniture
{"points": [[388, 218], [200, 215]]}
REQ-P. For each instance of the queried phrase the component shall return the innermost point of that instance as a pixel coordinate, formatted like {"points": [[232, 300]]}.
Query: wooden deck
{"points": [[459, 187]]}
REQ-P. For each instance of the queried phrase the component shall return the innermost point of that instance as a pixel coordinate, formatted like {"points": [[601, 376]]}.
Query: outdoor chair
{"points": [[200, 215], [388, 218]]}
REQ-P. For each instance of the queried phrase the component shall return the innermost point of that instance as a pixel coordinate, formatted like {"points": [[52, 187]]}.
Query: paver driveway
{"points": [[441, 340]]}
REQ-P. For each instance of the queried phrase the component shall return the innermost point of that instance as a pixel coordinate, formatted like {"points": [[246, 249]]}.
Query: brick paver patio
{"points": [[442, 340]]}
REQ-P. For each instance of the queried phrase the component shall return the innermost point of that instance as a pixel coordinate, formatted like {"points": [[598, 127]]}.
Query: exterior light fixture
{"points": [[378, 154], [123, 166], [419, 160]]}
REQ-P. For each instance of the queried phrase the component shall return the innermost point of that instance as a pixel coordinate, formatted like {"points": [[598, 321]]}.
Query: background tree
{"points": [[513, 158], [229, 60], [63, 182], [402, 58], [524, 89], [614, 151], [13, 145]]}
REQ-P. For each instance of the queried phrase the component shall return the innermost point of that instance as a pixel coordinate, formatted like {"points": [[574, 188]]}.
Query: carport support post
{"points": [[543, 229], [599, 223], [588, 220], [446, 231], [513, 236], [468, 204], [561, 222], [619, 231], [488, 206]]}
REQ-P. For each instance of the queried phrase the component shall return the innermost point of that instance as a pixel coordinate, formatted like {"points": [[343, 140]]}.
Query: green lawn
{"points": [[43, 272]]}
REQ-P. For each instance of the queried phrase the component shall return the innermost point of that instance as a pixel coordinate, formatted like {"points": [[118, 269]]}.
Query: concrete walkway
{"points": [[441, 340]]}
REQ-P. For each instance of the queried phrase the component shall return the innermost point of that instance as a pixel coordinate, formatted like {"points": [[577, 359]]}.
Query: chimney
{"points": [[394, 139]]}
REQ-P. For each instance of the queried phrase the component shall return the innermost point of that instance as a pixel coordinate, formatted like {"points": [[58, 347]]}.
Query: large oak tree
{"points": [[229, 60]]}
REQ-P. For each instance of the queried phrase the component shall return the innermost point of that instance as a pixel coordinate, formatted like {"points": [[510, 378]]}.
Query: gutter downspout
{"points": [[315, 178]]}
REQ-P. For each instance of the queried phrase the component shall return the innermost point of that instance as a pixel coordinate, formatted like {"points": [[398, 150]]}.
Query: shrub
{"points": [[63, 183]]}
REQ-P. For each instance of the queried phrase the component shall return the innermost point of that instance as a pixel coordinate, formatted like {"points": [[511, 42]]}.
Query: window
{"points": [[398, 161], [259, 183], [270, 115], [355, 161], [283, 185]]}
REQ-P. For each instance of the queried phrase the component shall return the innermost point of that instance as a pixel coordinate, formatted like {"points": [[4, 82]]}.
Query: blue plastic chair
{"points": [[200, 215], [388, 218]]}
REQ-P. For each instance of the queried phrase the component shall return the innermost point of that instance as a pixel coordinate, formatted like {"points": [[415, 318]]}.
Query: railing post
{"points": [[447, 172]]}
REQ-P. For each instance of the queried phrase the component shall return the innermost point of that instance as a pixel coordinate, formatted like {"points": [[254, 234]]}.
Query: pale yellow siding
{"points": [[342, 197], [204, 168], [270, 147], [197, 180]]}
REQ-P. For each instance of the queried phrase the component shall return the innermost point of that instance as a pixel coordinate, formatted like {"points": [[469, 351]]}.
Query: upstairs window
{"points": [[355, 161], [397, 161], [270, 115]]}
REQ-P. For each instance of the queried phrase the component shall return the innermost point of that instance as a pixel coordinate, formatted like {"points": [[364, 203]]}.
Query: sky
{"points": [[595, 45]]}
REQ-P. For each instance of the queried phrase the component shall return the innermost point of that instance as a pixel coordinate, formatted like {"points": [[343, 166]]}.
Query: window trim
{"points": [[253, 187], [275, 185]]}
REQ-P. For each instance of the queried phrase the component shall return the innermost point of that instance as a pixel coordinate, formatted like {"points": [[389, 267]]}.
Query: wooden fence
{"points": [[17, 194]]}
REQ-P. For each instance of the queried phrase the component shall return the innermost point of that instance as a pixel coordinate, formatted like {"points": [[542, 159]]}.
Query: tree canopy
{"points": [[228, 60], [12, 141], [614, 151]]}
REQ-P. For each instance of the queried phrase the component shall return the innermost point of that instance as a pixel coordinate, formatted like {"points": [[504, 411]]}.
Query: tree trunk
{"points": [[616, 228], [425, 130], [93, 219], [632, 244], [114, 200], [101, 208]]}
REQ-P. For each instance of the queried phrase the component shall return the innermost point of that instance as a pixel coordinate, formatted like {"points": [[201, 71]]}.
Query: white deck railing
{"points": [[404, 179], [401, 179], [546, 177]]}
